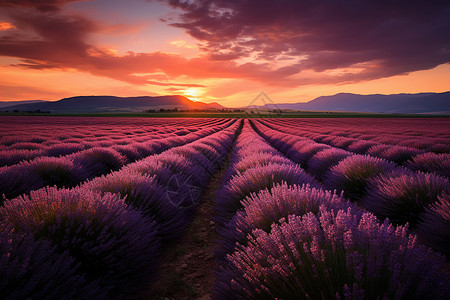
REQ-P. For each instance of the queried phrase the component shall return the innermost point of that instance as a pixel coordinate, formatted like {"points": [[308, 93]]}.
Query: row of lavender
{"points": [[425, 134], [103, 238], [419, 152], [20, 142], [47, 131], [281, 236], [384, 188], [70, 170]]}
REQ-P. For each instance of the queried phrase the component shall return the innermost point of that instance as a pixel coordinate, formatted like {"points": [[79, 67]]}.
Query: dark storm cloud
{"points": [[382, 38]]}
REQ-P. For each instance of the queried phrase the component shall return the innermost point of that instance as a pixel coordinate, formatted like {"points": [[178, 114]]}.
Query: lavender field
{"points": [[302, 208]]}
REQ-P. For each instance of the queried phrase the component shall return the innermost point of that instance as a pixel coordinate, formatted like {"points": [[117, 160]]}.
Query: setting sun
{"points": [[193, 93]]}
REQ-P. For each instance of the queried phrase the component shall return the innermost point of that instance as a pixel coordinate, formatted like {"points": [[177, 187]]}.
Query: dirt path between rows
{"points": [[187, 270]]}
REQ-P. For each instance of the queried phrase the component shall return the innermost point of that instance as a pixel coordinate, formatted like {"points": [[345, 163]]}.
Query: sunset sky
{"points": [[224, 51]]}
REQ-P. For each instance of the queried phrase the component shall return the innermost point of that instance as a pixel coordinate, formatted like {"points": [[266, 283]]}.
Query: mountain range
{"points": [[423, 103], [9, 103], [432, 103], [102, 104]]}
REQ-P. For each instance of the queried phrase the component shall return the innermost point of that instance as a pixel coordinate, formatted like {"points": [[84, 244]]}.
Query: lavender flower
{"points": [[184, 168], [112, 242], [399, 154], [431, 162], [402, 196], [268, 206], [336, 254], [302, 152], [145, 194], [256, 179], [360, 146], [323, 160], [99, 161], [64, 149], [259, 159], [12, 157], [18, 179], [31, 269], [352, 173], [434, 227]]}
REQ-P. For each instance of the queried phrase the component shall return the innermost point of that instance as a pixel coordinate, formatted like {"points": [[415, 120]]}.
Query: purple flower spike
{"points": [[435, 225], [31, 269], [252, 181], [325, 159], [112, 242], [431, 163], [336, 254], [267, 207], [145, 194], [352, 174], [403, 196]]}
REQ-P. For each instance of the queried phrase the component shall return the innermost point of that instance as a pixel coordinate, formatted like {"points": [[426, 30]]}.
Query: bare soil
{"points": [[187, 268]]}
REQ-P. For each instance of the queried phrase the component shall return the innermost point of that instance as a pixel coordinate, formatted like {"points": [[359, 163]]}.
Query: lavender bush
{"points": [[268, 206], [181, 166], [399, 154], [360, 146], [323, 160], [112, 242], [12, 157], [432, 163], [402, 196], [352, 173], [301, 153], [31, 269], [434, 227], [98, 161], [63, 149], [42, 171], [146, 195], [335, 255], [253, 180], [259, 159]]}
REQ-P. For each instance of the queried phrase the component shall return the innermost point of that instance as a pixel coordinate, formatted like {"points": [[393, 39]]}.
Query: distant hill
{"points": [[101, 104], [438, 103], [9, 103]]}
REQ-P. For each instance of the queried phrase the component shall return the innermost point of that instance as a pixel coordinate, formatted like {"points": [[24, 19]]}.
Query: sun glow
{"points": [[193, 93]]}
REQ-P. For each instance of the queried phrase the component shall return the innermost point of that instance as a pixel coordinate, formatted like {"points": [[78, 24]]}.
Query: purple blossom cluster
{"points": [[111, 241], [403, 196], [434, 226], [34, 269], [268, 206], [353, 173], [230, 197], [431, 163], [324, 160], [334, 254]]}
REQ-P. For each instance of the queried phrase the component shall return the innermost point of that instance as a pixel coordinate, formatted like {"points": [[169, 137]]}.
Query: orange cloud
{"points": [[6, 26]]}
